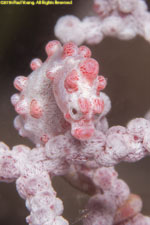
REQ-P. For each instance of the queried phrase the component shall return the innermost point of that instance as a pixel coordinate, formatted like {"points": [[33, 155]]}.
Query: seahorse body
{"points": [[62, 91]]}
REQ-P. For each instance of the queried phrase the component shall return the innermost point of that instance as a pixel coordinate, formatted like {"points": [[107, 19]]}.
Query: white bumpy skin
{"points": [[39, 116], [123, 19], [63, 91]]}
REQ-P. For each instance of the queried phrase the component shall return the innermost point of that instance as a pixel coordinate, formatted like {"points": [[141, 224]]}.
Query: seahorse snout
{"points": [[82, 130]]}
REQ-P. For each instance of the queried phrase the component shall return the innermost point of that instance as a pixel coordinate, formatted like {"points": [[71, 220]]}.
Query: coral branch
{"points": [[41, 199], [123, 19], [10, 161], [32, 170]]}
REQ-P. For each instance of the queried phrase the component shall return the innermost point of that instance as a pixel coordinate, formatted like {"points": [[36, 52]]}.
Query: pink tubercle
{"points": [[84, 51], [35, 110], [67, 116], [98, 105], [101, 83], [89, 68], [52, 47], [69, 49], [20, 82], [83, 133], [21, 107], [15, 99], [70, 82], [45, 138], [50, 75], [35, 64], [84, 105]]}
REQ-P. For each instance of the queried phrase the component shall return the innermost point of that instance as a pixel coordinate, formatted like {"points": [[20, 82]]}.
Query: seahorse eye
{"points": [[74, 111], [75, 114]]}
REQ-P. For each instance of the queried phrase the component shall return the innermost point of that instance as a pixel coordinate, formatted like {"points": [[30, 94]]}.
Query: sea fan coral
{"points": [[62, 110]]}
